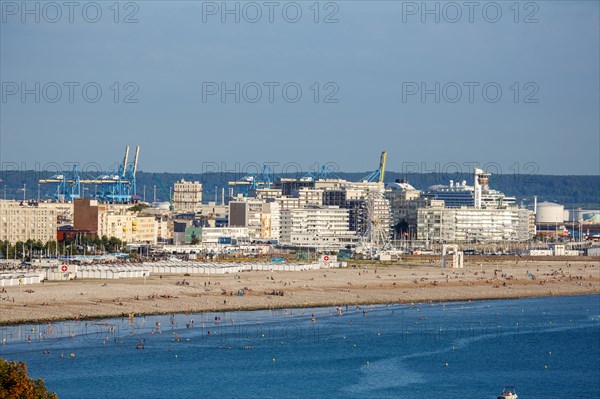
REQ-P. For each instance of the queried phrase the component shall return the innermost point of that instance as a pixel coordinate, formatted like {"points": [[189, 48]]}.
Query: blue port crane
{"points": [[324, 173], [115, 187], [69, 184], [379, 174], [120, 187], [253, 181]]}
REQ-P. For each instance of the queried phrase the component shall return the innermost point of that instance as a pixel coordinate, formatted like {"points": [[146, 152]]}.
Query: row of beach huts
{"points": [[65, 271]]}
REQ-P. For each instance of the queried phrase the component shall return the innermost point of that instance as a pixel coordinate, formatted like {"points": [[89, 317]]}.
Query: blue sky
{"points": [[375, 53]]}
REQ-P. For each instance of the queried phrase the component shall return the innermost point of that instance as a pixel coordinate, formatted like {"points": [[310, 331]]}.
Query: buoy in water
{"points": [[273, 360], [446, 364]]}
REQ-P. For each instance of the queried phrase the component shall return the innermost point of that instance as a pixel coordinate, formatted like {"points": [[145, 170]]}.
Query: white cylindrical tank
{"points": [[548, 212], [161, 205]]}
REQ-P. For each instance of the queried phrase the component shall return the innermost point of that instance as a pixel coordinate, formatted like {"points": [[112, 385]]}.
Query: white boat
{"points": [[508, 393]]}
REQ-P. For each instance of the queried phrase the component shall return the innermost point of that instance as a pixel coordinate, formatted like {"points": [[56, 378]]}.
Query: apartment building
{"points": [[115, 220], [438, 223], [247, 213], [22, 221], [325, 226], [187, 196], [271, 220]]}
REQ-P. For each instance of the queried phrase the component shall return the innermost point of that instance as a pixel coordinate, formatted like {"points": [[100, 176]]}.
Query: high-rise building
{"points": [[187, 196]]}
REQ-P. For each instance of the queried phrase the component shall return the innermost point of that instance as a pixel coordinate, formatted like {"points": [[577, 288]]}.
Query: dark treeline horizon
{"points": [[571, 191]]}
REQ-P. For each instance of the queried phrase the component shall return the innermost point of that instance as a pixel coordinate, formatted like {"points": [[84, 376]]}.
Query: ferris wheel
{"points": [[375, 226]]}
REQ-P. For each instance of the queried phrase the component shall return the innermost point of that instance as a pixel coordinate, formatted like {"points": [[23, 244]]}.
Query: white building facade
{"points": [[187, 196], [325, 226], [440, 224], [23, 221]]}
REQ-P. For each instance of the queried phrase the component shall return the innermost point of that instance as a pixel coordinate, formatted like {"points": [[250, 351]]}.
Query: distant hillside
{"points": [[572, 191]]}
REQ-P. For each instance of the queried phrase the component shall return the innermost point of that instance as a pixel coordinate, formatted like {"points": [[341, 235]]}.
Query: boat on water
{"points": [[508, 393]]}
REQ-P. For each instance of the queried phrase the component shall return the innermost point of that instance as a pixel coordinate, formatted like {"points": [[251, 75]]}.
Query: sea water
{"points": [[545, 347]]}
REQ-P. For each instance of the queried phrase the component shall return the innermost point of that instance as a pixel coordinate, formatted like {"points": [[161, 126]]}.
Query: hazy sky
{"points": [[368, 83]]}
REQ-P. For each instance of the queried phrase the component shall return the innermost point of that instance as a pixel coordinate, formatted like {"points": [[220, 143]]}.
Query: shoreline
{"points": [[259, 308], [412, 282]]}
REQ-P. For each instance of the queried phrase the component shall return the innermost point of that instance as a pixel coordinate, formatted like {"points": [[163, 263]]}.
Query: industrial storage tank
{"points": [[161, 205], [549, 212]]}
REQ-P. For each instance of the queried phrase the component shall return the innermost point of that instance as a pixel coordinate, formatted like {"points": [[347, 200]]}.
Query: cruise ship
{"points": [[459, 194]]}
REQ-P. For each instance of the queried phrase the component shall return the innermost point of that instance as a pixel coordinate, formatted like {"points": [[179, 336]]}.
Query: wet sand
{"points": [[406, 281]]}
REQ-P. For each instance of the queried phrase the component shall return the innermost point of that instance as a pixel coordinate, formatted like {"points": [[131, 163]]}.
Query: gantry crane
{"points": [[379, 174], [253, 181], [118, 188]]}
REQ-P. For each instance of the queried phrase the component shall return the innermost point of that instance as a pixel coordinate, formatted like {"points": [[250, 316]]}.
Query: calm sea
{"points": [[545, 347]]}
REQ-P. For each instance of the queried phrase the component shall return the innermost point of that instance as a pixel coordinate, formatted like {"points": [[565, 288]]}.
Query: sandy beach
{"points": [[407, 281]]}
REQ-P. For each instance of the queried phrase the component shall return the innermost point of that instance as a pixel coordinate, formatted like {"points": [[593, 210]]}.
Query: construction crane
{"points": [[379, 174], [164, 191], [119, 187]]}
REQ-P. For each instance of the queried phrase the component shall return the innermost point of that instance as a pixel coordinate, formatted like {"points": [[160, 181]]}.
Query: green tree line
{"points": [[83, 244]]}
